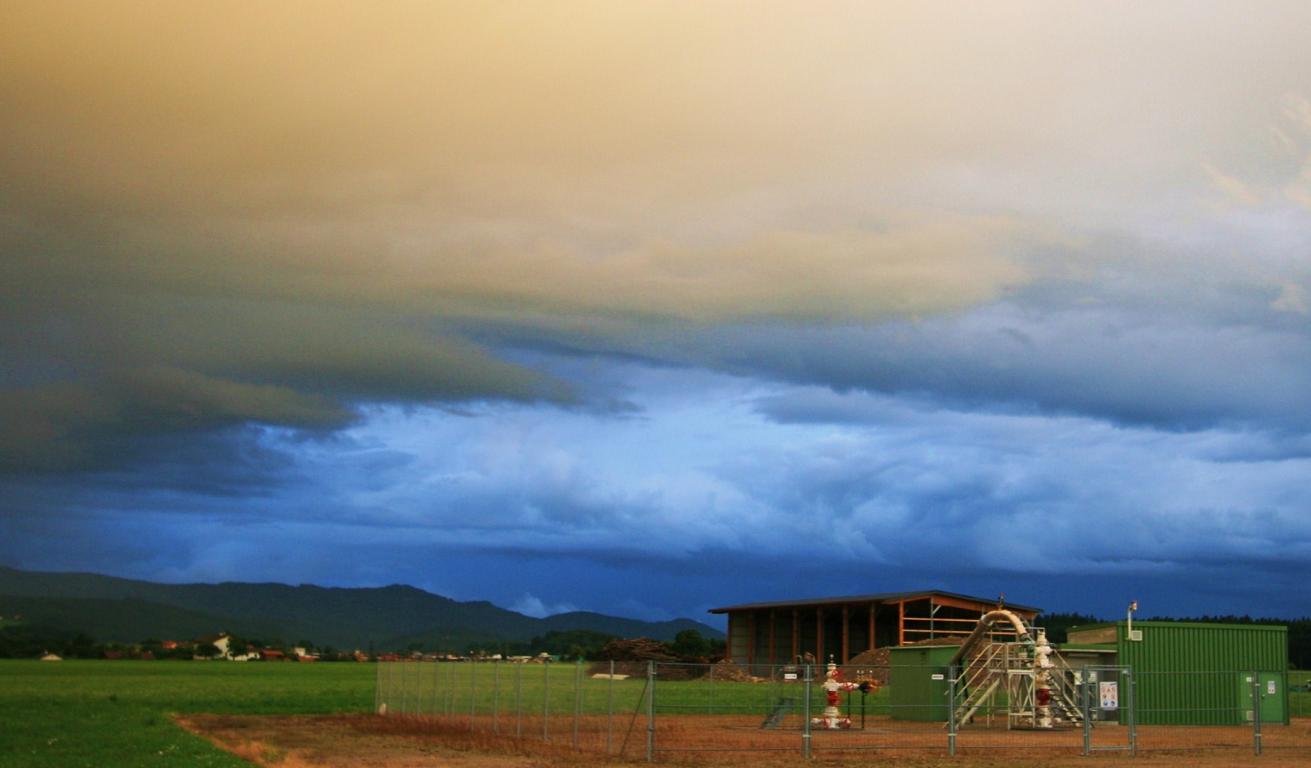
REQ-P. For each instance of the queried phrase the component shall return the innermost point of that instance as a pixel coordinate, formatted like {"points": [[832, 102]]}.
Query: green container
{"points": [[1200, 674], [917, 682]]}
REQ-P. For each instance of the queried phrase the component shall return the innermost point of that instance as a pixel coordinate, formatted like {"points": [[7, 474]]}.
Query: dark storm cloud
{"points": [[1227, 361], [1121, 364], [145, 364], [709, 481]]}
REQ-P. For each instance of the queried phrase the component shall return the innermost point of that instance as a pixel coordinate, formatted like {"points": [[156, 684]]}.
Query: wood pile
{"points": [[636, 649], [630, 657]]}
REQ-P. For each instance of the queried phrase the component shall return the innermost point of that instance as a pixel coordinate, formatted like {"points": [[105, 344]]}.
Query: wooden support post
{"points": [[819, 635], [796, 634], [728, 644], [873, 625], [901, 623], [846, 633], [773, 648], [751, 640]]}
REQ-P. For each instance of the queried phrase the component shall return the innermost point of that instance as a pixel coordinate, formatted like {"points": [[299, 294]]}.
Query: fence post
{"points": [[546, 699], [496, 696], [518, 701], [1085, 707], [1256, 712], [710, 689], [610, 709], [951, 709], [437, 683], [805, 717], [578, 697], [419, 676], [408, 686], [404, 688], [650, 711], [392, 688], [450, 689], [473, 691], [377, 689], [1133, 713]]}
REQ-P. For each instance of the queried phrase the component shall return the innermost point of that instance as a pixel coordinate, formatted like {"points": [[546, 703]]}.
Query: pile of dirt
{"points": [[727, 670], [873, 665], [876, 658], [869, 665], [939, 641]]}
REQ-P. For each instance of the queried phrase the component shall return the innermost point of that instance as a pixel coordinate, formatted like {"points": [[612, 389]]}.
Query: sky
{"points": [[652, 307]]}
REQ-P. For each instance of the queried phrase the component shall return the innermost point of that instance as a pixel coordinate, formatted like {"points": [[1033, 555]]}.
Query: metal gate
{"points": [[1107, 701]]}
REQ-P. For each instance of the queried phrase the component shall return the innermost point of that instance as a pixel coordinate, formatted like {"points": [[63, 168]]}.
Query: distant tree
{"points": [[25, 641], [1058, 624], [574, 643], [207, 650], [691, 644]]}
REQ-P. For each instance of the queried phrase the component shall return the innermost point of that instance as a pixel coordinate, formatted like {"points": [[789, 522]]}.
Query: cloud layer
{"points": [[466, 272]]}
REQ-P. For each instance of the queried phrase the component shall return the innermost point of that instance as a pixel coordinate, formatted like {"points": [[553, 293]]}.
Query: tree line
{"points": [[30, 640]]}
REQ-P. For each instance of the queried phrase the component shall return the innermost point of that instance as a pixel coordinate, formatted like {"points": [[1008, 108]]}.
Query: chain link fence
{"points": [[559, 703], [675, 711]]}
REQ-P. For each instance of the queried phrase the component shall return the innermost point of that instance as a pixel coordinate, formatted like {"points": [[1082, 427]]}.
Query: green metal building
{"points": [[917, 682], [1199, 674]]}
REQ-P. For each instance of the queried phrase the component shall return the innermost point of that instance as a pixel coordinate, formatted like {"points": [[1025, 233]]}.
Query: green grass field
{"points": [[107, 714], [104, 714]]}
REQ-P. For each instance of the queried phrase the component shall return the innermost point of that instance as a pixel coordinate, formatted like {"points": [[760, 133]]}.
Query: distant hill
{"points": [[125, 610]]}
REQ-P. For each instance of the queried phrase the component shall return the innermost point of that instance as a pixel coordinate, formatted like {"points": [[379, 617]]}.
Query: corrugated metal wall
{"points": [[1196, 674], [739, 638]]}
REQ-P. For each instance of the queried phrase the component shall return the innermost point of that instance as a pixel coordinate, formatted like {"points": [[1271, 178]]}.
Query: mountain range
{"points": [[112, 609]]}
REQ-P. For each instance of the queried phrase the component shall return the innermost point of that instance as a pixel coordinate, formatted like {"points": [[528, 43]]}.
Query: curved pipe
{"points": [[985, 623]]}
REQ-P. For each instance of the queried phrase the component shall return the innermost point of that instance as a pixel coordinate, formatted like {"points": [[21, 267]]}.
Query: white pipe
{"points": [[985, 623]]}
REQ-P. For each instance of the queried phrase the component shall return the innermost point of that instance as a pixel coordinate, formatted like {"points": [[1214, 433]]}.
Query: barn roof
{"points": [[881, 597]]}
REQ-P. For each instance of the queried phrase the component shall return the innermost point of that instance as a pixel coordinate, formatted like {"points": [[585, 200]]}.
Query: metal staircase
{"points": [[1065, 691], [980, 679], [1017, 670]]}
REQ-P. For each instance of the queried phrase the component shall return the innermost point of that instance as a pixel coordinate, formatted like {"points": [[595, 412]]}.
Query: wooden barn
{"points": [[763, 634]]}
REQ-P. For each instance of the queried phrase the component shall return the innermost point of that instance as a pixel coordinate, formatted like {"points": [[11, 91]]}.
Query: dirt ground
{"points": [[407, 742]]}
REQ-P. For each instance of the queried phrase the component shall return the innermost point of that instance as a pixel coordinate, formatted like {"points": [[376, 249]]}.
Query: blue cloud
{"points": [[724, 488]]}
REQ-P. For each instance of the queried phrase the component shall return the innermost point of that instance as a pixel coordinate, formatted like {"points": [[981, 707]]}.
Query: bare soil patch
{"points": [[409, 742]]}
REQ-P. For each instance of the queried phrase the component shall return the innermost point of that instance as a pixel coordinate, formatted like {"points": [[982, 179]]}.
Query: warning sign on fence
{"points": [[1110, 694]]}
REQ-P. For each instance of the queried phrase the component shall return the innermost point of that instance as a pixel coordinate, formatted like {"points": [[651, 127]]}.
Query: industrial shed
{"points": [[1192, 673], [764, 634]]}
